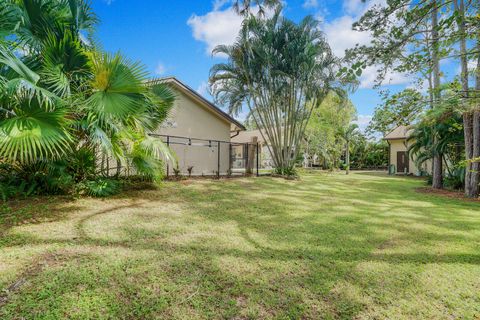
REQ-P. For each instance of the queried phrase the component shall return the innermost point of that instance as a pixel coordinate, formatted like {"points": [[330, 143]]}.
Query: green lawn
{"points": [[364, 246]]}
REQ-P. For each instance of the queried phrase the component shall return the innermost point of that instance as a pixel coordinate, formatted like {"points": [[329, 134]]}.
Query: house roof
{"points": [[400, 132], [177, 84]]}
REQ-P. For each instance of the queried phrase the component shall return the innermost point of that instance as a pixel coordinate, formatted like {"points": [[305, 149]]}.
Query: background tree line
{"points": [[413, 38]]}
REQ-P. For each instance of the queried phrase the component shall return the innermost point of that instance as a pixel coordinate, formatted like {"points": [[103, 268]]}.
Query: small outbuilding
{"points": [[399, 159]]}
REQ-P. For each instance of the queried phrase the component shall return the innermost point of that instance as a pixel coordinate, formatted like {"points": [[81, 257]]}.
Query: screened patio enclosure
{"points": [[202, 157]]}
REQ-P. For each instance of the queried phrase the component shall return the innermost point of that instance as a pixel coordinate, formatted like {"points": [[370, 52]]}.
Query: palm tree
{"points": [[348, 134], [59, 94], [243, 7], [280, 71], [439, 133]]}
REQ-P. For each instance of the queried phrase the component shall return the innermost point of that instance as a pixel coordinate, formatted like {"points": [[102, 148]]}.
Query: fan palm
{"points": [[61, 94], [280, 71]]}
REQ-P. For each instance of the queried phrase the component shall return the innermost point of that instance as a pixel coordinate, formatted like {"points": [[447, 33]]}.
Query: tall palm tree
{"points": [[59, 94], [348, 134], [280, 71], [243, 7]]}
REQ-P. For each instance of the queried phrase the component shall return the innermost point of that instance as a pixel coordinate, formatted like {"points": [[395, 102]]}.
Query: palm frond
{"points": [[34, 133], [8, 58], [117, 87]]}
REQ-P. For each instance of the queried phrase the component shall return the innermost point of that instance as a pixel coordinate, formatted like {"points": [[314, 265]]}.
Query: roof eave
{"points": [[213, 107]]}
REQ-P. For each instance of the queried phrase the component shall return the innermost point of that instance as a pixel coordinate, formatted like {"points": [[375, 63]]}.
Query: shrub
{"points": [[34, 179], [100, 188], [429, 180], [8, 191], [176, 172], [82, 164], [287, 172], [456, 179]]}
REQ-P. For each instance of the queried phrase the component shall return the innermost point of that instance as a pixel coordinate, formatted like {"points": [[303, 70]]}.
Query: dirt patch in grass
{"points": [[446, 193]]}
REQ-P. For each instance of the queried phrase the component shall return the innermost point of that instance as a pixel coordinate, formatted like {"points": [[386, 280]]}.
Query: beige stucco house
{"points": [[400, 161], [198, 132]]}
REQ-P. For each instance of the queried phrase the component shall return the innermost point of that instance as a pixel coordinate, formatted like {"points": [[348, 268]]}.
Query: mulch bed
{"points": [[446, 193]]}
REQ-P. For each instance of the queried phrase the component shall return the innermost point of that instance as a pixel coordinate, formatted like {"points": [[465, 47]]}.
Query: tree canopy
{"points": [[280, 71], [60, 95], [400, 109]]}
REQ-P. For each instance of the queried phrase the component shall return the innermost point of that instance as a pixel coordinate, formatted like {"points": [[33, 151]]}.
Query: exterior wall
{"points": [[396, 146], [402, 145], [191, 119]]}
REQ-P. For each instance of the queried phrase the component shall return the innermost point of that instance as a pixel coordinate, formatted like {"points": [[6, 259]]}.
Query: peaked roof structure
{"points": [[400, 132], [190, 92]]}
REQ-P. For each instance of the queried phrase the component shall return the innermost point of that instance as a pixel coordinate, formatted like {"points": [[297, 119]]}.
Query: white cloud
{"points": [[363, 121], [353, 7], [160, 69], [108, 2], [357, 8], [307, 4], [203, 89], [216, 27], [340, 35], [339, 31], [219, 26], [369, 75], [471, 66]]}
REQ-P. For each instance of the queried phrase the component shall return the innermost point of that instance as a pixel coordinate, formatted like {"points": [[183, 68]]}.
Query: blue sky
{"points": [[175, 38]]}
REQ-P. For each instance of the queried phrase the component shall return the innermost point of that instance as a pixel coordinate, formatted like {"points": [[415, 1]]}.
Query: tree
{"points": [[348, 134], [439, 132], [414, 37], [409, 37], [437, 175], [281, 71], [60, 95], [368, 154], [400, 109], [471, 112], [243, 7], [323, 132]]}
